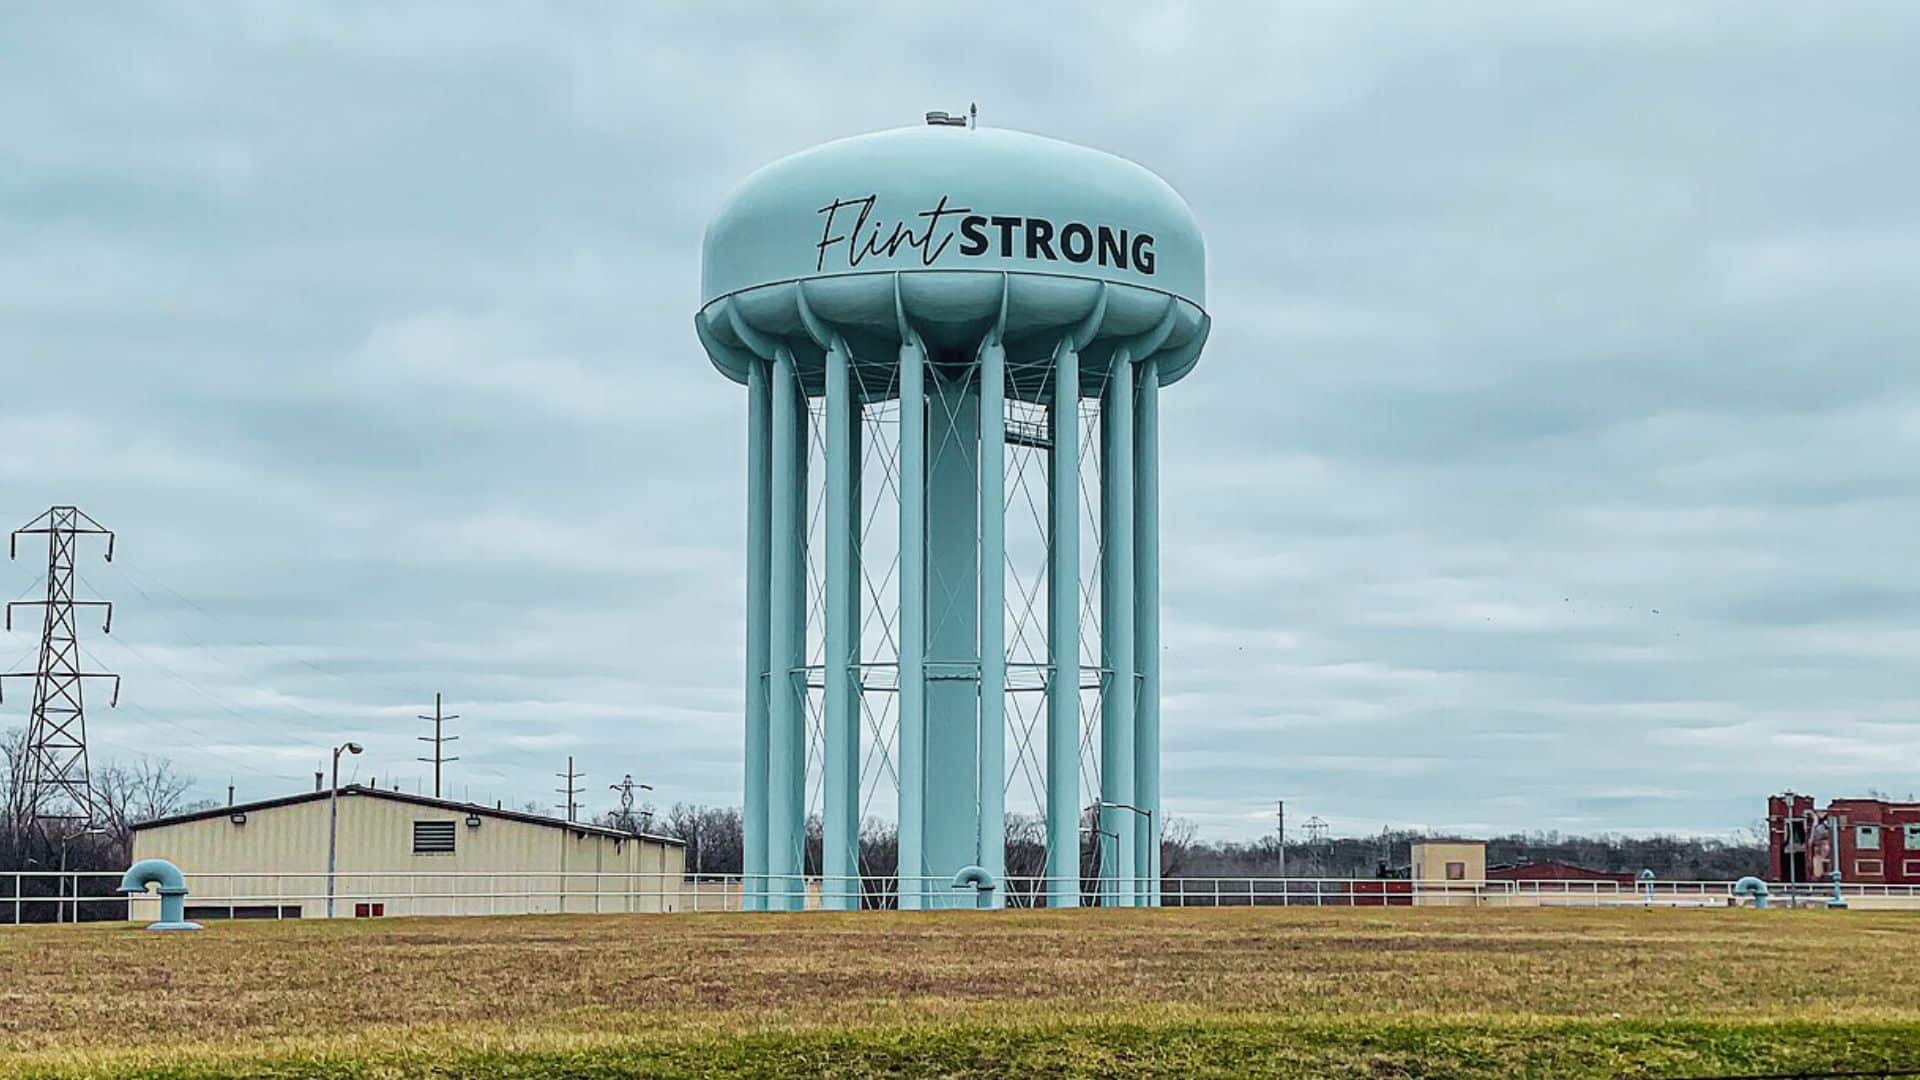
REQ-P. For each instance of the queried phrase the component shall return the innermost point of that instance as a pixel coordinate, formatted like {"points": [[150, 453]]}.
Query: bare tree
{"points": [[13, 799], [1176, 843], [637, 821], [145, 790]]}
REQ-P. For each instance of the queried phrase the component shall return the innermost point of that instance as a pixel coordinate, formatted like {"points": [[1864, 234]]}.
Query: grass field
{"points": [[1293, 992]]}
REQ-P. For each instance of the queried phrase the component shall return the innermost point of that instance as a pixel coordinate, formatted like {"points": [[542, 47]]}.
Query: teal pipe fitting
{"points": [[1646, 883], [1752, 887], [981, 881], [172, 889]]}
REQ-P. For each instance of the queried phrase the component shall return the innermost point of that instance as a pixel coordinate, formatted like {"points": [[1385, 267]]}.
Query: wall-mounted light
{"points": [[238, 818], [473, 821]]}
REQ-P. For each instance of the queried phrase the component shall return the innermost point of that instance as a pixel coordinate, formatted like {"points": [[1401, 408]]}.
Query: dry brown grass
{"points": [[96, 995]]}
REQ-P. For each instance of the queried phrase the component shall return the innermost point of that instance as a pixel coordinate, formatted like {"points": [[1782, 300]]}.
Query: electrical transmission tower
{"points": [[1316, 830], [439, 742], [58, 785], [626, 788], [568, 792], [1319, 846]]}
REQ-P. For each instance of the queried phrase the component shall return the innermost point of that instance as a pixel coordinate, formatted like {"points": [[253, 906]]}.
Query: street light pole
{"points": [[333, 818], [1099, 851], [59, 883], [1142, 891]]}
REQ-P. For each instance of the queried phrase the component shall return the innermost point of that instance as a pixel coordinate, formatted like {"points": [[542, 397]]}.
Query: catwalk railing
{"points": [[88, 896]]}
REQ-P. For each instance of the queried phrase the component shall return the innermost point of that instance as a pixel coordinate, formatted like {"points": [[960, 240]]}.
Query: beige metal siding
{"points": [[529, 867]]}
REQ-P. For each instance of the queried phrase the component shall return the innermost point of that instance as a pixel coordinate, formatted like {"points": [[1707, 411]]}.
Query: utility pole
{"points": [[1280, 809], [569, 791], [59, 787], [439, 743], [626, 787]]}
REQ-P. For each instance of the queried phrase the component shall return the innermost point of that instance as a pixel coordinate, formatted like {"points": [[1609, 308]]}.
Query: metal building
{"points": [[953, 341], [400, 854]]}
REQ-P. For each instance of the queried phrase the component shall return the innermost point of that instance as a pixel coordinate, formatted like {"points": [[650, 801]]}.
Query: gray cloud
{"points": [[371, 333]]}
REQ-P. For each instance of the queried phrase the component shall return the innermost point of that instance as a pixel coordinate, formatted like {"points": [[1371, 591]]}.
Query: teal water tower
{"points": [[953, 340]]}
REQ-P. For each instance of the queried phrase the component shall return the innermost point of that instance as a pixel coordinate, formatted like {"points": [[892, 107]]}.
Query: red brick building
{"points": [[1879, 840]]}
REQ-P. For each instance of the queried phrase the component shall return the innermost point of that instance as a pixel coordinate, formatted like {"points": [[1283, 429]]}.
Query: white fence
{"points": [[69, 896]]}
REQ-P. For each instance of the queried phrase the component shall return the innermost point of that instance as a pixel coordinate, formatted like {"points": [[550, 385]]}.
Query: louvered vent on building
{"points": [[433, 838]]}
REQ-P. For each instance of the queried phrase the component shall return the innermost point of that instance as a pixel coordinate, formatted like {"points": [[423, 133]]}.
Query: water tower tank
{"points": [[953, 340]]}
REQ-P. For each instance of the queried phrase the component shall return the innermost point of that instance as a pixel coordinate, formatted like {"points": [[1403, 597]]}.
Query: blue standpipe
{"points": [[1646, 884], [985, 886], [1754, 888], [172, 888], [1839, 899]]}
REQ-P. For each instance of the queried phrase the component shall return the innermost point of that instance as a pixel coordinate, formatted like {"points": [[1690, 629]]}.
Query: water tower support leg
{"points": [[786, 718], [1117, 693], [1146, 628], [913, 617], [992, 825], [1063, 634], [753, 828], [840, 868], [951, 785], [856, 579]]}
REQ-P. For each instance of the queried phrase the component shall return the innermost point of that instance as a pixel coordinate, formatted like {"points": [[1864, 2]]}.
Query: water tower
{"points": [[953, 341]]}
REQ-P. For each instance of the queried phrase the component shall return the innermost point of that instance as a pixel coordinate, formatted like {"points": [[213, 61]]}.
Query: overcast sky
{"points": [[1552, 464]]}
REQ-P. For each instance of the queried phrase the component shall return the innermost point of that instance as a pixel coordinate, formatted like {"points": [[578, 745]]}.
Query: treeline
{"points": [[1389, 853], [124, 794], [712, 836]]}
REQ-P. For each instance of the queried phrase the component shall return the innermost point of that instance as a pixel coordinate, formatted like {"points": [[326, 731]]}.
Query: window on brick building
{"points": [[1866, 836], [1911, 838]]}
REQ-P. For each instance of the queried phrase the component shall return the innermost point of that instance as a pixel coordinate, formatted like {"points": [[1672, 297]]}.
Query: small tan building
{"points": [[400, 854], [1440, 861], [1449, 871]]}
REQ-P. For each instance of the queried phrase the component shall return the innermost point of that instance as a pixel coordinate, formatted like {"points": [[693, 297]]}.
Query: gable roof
{"points": [[415, 800]]}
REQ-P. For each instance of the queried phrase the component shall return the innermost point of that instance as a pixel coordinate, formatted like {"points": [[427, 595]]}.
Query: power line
{"points": [[203, 738], [217, 702], [199, 744], [128, 575], [320, 723], [439, 742]]}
